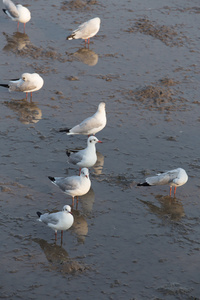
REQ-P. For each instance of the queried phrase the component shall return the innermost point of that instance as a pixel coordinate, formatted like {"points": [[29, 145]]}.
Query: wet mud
{"points": [[127, 242]]}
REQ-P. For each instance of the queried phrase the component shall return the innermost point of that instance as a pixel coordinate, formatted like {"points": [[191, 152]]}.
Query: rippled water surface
{"points": [[127, 242]]}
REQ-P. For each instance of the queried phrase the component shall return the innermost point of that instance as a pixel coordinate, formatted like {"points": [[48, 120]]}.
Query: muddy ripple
{"points": [[166, 34], [158, 96]]}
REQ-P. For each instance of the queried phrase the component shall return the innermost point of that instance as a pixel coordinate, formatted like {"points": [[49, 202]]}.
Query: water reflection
{"points": [[80, 226], [58, 257], [87, 202], [28, 112], [170, 207], [16, 41], [98, 167], [86, 56]]}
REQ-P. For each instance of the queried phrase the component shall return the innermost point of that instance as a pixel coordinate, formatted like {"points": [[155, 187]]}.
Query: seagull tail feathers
{"points": [[64, 129], [68, 152], [51, 178], [70, 37], [4, 85], [143, 184], [39, 214]]}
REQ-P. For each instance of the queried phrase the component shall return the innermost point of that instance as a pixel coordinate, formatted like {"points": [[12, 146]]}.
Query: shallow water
{"points": [[128, 242]]}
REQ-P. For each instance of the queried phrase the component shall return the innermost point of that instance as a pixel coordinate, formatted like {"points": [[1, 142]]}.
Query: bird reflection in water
{"points": [[28, 112], [86, 56], [170, 207], [58, 258], [98, 167], [16, 42], [87, 202], [80, 226]]}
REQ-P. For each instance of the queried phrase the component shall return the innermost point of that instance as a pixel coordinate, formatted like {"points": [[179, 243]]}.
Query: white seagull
{"points": [[86, 30], [17, 12], [28, 83], [176, 177], [74, 185], [91, 125], [61, 220], [86, 157]]}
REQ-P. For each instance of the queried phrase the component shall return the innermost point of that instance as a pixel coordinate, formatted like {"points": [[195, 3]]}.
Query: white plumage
{"points": [[86, 157], [28, 83], [17, 12], [74, 185], [91, 125], [61, 220], [173, 178], [86, 30]]}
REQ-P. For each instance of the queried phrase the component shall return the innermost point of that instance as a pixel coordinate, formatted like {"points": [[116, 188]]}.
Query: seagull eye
{"points": [[23, 78]]}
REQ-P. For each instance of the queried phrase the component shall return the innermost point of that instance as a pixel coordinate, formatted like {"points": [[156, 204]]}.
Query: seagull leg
{"points": [[76, 202], [61, 237], [72, 201], [26, 95], [88, 41], [170, 191], [31, 97], [174, 191], [79, 171], [17, 26], [55, 235]]}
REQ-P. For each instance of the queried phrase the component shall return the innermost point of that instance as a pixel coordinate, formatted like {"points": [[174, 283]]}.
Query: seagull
{"points": [[17, 12], [176, 177], [91, 125], [86, 157], [74, 185], [28, 83], [61, 220], [86, 30]]}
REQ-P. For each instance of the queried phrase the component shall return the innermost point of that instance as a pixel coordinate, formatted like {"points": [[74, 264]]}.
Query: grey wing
{"points": [[87, 124], [80, 27], [50, 218], [21, 86], [162, 179], [12, 10], [69, 183], [75, 158]]}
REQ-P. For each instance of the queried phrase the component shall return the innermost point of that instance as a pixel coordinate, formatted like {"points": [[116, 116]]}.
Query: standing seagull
{"points": [[28, 83], [74, 185], [91, 125], [17, 12], [176, 177], [86, 30], [61, 220], [86, 157]]}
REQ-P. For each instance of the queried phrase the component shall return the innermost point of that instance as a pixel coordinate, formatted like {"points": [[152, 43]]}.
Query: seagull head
{"points": [[93, 140], [85, 172], [67, 208]]}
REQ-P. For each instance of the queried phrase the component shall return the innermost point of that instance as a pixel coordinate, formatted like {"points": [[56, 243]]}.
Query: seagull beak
{"points": [[100, 142], [86, 176]]}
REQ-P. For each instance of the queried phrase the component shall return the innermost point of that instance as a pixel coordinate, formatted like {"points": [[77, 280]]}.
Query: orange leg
{"points": [[55, 235], [61, 236], [174, 191], [170, 191], [72, 201], [76, 202]]}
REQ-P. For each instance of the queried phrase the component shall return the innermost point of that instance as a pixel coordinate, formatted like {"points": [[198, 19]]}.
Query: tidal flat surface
{"points": [[127, 242]]}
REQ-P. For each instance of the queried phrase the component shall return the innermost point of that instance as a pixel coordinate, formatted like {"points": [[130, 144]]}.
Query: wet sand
{"points": [[127, 242]]}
